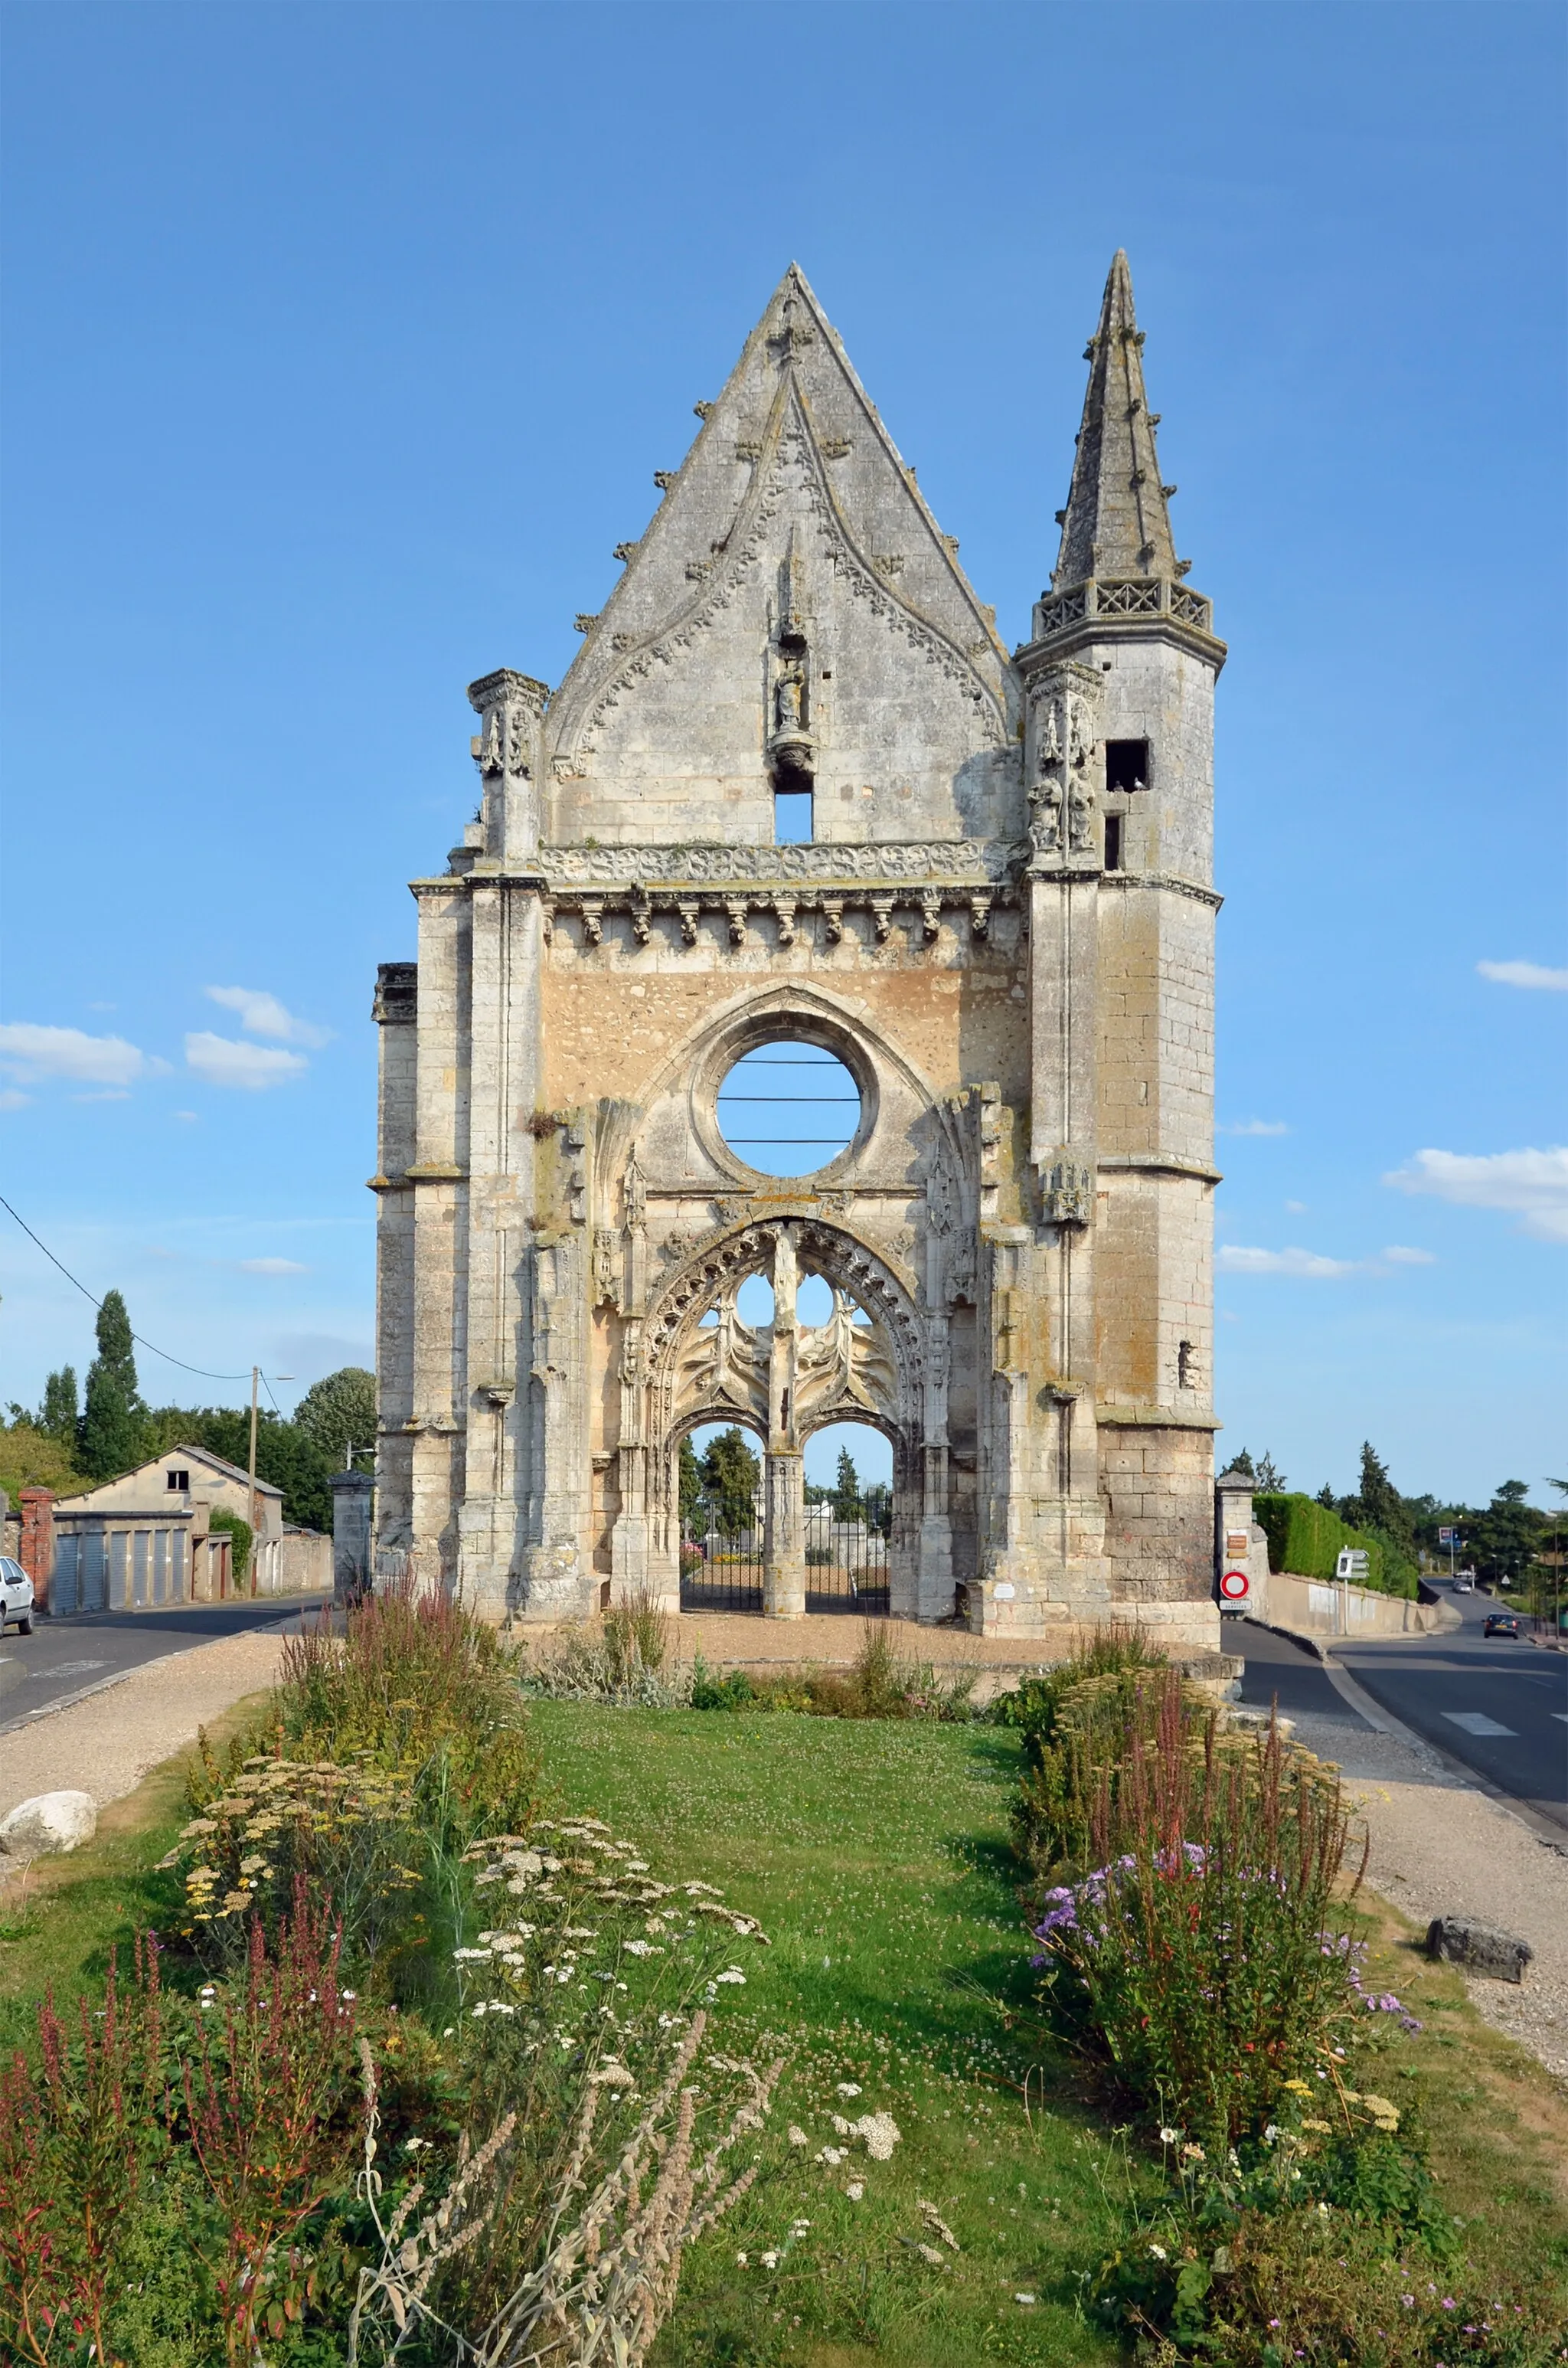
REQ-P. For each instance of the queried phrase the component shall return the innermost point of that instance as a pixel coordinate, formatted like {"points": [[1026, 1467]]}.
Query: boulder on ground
{"points": [[1483, 1948], [48, 1824]]}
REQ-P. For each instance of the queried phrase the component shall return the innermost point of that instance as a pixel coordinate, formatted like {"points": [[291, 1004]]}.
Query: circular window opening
{"points": [[788, 1108]]}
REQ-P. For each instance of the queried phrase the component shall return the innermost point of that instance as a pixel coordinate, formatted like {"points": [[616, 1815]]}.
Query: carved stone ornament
{"points": [[1067, 1192], [1045, 815], [605, 1245], [1081, 818], [953, 861]]}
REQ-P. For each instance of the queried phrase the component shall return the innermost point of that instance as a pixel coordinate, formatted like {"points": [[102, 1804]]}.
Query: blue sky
{"points": [[342, 341]]}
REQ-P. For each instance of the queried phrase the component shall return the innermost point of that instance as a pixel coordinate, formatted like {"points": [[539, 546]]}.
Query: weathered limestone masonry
{"points": [[1001, 924]]}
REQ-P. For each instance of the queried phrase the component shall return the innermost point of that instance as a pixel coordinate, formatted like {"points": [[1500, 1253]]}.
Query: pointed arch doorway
{"points": [[784, 1333]]}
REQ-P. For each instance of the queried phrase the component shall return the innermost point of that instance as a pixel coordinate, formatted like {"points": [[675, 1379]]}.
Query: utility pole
{"points": [[255, 1378]]}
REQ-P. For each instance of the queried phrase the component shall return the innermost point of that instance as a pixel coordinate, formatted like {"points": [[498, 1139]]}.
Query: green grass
{"points": [[875, 1854], [60, 1920]]}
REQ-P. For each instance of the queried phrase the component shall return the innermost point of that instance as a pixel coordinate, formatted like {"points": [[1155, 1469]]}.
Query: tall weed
{"points": [[1201, 1957]]}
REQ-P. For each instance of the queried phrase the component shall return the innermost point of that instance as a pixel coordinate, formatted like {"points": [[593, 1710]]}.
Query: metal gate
{"points": [[722, 1571], [847, 1559]]}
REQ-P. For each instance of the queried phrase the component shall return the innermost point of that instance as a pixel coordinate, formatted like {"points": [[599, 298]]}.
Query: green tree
{"points": [[286, 1455], [731, 1477], [60, 1416], [848, 1504], [690, 1488], [1268, 1480], [338, 1413], [1326, 1498], [1379, 1505], [1506, 1538], [30, 1459], [111, 1437]]}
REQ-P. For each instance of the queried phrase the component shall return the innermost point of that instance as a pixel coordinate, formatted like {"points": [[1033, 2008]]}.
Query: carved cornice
{"points": [[1149, 1417], [961, 863], [1157, 1163], [1149, 878]]}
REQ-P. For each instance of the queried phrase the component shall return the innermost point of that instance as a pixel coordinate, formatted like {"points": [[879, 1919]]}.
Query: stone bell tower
{"points": [[795, 789]]}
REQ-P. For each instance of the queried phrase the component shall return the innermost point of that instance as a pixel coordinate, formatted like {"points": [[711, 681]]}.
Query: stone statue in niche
{"points": [[1080, 732], [634, 1193], [1081, 818], [489, 750], [1045, 816], [789, 701]]}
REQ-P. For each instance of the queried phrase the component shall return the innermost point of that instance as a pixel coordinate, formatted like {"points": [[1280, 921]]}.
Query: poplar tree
{"points": [[112, 1432], [59, 1417]]}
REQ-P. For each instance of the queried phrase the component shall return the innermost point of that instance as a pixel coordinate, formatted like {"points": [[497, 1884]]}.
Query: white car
{"points": [[15, 1597]]}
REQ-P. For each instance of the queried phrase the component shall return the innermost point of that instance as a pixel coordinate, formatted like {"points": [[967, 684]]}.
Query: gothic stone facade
{"points": [[1001, 924]]}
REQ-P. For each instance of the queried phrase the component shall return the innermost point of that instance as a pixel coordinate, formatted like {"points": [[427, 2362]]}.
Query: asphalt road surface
{"points": [[64, 1658], [1500, 1708]]}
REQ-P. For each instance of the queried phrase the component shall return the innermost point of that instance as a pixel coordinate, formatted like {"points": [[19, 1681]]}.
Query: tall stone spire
{"points": [[1117, 521]]}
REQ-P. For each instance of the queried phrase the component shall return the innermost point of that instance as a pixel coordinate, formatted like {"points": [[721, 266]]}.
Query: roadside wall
{"points": [[1318, 1607]]}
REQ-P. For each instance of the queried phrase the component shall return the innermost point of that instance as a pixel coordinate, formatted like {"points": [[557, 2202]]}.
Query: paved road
{"points": [[1499, 1708], [62, 1658]]}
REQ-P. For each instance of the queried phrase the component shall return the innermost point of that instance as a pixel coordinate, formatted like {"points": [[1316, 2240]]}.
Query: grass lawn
{"points": [[875, 1854]]}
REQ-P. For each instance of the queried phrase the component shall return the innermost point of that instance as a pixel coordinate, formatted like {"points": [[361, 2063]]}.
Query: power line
{"points": [[150, 1346]]}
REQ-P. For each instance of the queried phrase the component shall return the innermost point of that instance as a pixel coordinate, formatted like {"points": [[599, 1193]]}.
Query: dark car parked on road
{"points": [[1501, 1623]]}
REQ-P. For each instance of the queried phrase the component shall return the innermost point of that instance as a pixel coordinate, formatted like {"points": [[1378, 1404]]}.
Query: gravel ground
{"points": [[1442, 1847], [105, 1743]]}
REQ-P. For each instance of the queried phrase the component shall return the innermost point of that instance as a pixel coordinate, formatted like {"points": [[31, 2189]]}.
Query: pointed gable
{"points": [[791, 591]]}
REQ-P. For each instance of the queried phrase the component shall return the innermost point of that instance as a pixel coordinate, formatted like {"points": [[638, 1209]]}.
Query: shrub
{"points": [[1315, 2283], [1307, 1538], [243, 2108], [240, 1531], [1031, 1707], [877, 1685], [1200, 1961]]}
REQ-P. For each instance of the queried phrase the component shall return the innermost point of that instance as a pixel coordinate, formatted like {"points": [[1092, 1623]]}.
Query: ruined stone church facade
{"points": [[1001, 923]]}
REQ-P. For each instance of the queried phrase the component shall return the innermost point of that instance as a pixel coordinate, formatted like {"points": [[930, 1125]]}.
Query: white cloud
{"points": [[11, 1100], [1525, 973], [272, 1266], [1256, 1126], [29, 1052], [189, 1115], [1295, 1208], [1232, 1258], [1532, 1184], [1398, 1255], [261, 1014], [220, 1061]]}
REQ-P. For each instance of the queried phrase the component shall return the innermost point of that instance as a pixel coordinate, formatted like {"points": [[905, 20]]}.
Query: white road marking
{"points": [[1562, 1714], [71, 1668], [1476, 1722]]}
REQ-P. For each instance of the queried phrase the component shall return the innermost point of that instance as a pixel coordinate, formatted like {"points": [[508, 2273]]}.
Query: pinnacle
{"points": [[1117, 521]]}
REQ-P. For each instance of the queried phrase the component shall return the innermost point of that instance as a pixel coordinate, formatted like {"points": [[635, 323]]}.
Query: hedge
{"points": [[1304, 1537]]}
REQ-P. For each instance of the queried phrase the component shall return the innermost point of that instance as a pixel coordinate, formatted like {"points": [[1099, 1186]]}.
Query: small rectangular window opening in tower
{"points": [[1113, 842], [792, 816], [1186, 1366], [1127, 764]]}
